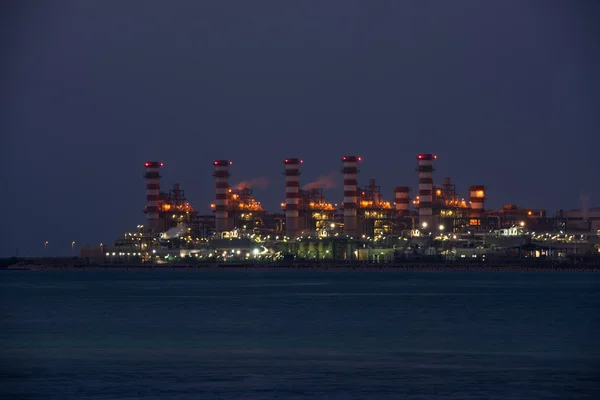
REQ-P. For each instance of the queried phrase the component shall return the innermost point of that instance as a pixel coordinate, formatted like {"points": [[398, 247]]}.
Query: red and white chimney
{"points": [[350, 171], [221, 174], [477, 199], [402, 200], [152, 176], [425, 172], [292, 193]]}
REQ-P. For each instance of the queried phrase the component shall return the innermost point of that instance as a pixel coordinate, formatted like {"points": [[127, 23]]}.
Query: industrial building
{"points": [[364, 225]]}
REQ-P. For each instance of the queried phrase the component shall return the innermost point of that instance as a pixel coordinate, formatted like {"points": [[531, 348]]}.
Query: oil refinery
{"points": [[430, 221]]}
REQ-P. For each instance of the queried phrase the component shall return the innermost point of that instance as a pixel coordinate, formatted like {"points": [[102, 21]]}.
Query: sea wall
{"points": [[373, 267]]}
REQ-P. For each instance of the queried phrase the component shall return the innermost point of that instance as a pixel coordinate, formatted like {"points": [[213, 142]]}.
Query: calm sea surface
{"points": [[298, 334]]}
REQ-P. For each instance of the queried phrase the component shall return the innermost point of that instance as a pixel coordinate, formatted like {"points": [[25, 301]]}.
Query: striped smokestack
{"points": [[350, 171], [402, 200], [221, 175], [425, 172], [152, 176], [477, 199], [292, 191]]}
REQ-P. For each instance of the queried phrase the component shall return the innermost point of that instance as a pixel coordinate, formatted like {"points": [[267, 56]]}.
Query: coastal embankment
{"points": [[316, 267]]}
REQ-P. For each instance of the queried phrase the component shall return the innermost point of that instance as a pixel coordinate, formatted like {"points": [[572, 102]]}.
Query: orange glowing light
{"points": [[321, 206]]}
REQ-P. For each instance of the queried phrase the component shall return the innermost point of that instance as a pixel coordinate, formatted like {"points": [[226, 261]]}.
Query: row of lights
{"points": [[424, 225], [46, 243]]}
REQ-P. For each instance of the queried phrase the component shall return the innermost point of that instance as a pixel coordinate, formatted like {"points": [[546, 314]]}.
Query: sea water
{"points": [[299, 335]]}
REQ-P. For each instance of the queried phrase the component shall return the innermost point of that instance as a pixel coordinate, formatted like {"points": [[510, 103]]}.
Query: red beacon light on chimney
{"points": [[146, 164], [359, 158], [162, 164]]}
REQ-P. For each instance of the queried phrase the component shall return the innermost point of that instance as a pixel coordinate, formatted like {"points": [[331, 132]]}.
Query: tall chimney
{"points": [[221, 175], [477, 199], [425, 172], [402, 200], [292, 191], [152, 176], [350, 171]]}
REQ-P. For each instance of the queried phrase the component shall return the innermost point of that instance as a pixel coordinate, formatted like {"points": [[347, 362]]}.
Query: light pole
{"points": [[73, 248]]}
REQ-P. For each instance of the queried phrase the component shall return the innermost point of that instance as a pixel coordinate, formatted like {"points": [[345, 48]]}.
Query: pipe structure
{"points": [[152, 176], [292, 194], [477, 199], [221, 174], [350, 171], [425, 173], [402, 199]]}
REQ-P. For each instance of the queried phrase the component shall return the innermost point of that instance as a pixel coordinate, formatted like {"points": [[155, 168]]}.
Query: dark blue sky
{"points": [[507, 93]]}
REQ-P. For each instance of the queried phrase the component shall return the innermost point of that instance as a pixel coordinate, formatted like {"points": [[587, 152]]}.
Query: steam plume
{"points": [[260, 183], [322, 182]]}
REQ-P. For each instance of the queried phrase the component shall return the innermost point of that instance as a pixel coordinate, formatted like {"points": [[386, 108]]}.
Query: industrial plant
{"points": [[429, 221]]}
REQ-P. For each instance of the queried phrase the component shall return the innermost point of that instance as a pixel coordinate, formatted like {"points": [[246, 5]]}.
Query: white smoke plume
{"points": [[175, 231], [322, 182], [260, 183]]}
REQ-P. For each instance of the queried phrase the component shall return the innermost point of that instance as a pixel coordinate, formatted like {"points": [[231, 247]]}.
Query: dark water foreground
{"points": [[299, 334]]}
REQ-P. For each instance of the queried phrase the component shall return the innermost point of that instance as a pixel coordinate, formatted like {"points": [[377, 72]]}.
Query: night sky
{"points": [[506, 93]]}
